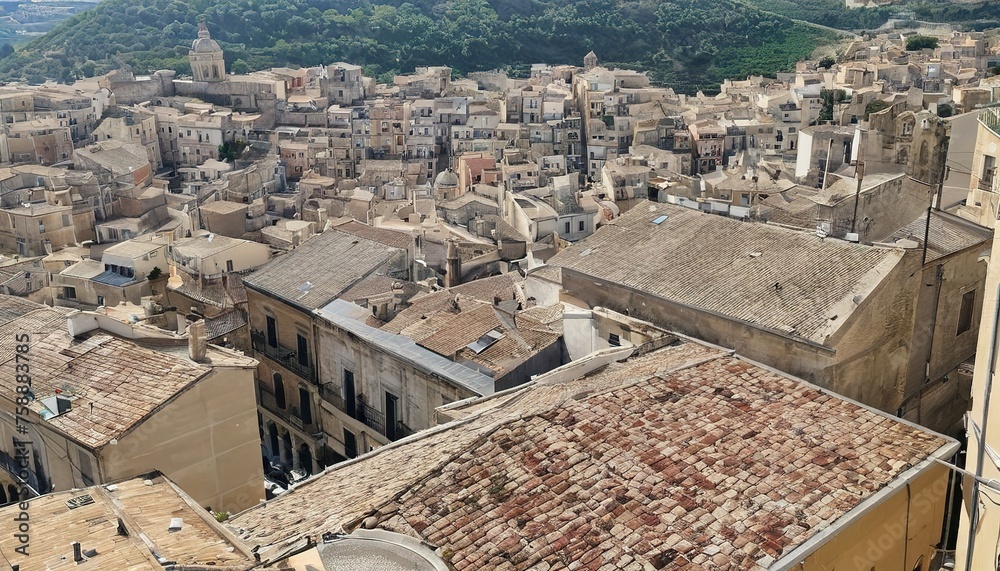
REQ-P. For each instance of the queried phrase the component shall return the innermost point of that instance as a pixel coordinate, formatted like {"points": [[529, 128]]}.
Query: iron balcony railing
{"points": [[284, 357], [376, 421], [990, 118], [369, 415], [289, 414]]}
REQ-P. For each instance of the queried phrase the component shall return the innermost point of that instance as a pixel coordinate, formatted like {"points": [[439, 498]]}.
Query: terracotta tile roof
{"points": [[710, 263], [369, 287], [235, 289], [12, 307], [662, 460], [391, 238], [144, 508], [446, 333], [517, 346], [225, 323], [212, 292], [121, 380], [948, 234], [485, 290], [330, 263]]}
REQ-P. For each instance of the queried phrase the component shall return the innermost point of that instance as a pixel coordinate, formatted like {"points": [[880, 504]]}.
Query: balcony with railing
{"points": [[990, 118], [287, 358], [290, 414], [369, 415], [373, 418], [12, 466]]}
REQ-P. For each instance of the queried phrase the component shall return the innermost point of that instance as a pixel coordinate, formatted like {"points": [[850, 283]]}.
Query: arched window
{"points": [[279, 391], [215, 72]]}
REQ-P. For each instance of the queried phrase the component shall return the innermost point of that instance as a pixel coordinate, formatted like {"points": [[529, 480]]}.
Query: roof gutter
{"points": [[813, 544]]}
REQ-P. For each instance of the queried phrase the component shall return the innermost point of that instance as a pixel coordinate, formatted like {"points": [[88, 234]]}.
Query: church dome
{"points": [[445, 179], [204, 44]]}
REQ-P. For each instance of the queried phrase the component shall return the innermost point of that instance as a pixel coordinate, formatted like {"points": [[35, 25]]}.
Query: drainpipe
{"points": [[981, 445], [938, 280]]}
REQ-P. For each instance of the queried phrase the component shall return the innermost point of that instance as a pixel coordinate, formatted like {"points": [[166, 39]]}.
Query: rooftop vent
{"points": [[78, 501]]}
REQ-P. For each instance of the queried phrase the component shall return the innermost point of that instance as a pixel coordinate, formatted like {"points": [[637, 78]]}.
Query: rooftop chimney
{"points": [[453, 265], [197, 344]]}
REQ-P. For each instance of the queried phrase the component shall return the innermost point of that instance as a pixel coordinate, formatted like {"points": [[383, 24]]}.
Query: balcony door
{"points": [[391, 415], [272, 332], [350, 397]]}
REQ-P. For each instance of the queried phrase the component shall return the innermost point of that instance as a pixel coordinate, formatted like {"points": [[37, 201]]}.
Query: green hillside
{"points": [[686, 44], [832, 13]]}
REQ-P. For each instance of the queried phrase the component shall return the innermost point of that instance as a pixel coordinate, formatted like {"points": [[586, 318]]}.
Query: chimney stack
{"points": [[453, 266], [77, 552], [197, 344]]}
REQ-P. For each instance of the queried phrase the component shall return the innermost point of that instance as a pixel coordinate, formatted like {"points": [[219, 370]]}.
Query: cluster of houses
{"points": [[297, 319]]}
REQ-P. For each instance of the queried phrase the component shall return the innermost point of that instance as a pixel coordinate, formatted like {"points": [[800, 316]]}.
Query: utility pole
{"points": [[861, 176]]}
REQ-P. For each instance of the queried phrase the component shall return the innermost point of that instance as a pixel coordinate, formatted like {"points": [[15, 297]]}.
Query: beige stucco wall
{"points": [[865, 360], [982, 205], [245, 256], [984, 556], [206, 440], [375, 373], [290, 322]]}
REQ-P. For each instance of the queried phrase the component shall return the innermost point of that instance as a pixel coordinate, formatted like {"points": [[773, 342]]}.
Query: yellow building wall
{"points": [[988, 530], [207, 441], [898, 534]]}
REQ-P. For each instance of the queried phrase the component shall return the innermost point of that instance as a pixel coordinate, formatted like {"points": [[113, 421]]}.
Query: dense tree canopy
{"points": [[914, 43], [832, 13], [687, 44]]}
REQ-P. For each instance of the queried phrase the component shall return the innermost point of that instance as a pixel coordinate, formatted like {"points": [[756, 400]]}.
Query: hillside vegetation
{"points": [[686, 44], [832, 13]]}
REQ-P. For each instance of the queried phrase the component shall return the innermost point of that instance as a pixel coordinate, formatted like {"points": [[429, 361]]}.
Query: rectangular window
{"points": [[305, 406], [350, 404], [302, 348], [69, 292], [391, 416], [350, 444], [567, 228], [966, 313], [229, 265], [272, 331], [86, 468], [582, 225], [989, 169], [614, 340]]}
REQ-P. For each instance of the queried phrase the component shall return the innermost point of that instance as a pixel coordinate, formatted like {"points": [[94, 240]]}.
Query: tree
{"points": [[231, 151], [915, 43], [874, 107], [240, 67], [6, 50], [945, 110], [827, 62]]}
